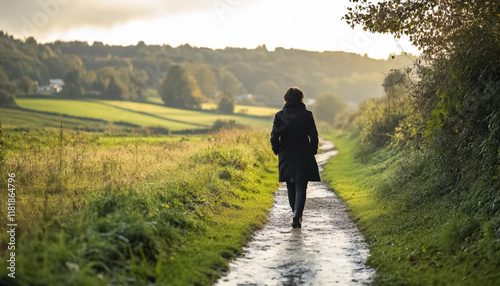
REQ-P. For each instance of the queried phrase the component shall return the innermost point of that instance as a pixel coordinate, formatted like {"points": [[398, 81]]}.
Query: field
{"points": [[23, 119], [100, 202], [96, 209], [153, 97], [142, 114], [245, 109]]}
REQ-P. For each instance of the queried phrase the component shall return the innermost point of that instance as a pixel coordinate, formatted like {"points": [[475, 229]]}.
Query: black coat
{"points": [[295, 140]]}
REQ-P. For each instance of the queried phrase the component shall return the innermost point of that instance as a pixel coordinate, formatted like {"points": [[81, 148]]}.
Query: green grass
{"points": [[95, 109], [190, 116], [143, 114], [14, 118], [414, 239], [100, 211], [246, 109], [154, 97]]}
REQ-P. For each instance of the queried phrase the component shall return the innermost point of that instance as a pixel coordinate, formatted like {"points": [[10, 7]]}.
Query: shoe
{"points": [[297, 222]]}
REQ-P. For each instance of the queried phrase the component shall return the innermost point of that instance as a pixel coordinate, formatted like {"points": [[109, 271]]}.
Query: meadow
{"points": [[153, 97], [101, 208], [245, 109], [142, 114]]}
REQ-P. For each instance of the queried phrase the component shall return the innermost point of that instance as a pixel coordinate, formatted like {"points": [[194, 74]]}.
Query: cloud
{"points": [[42, 17]]}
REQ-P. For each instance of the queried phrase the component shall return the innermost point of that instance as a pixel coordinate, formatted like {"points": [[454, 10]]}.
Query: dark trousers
{"points": [[297, 197]]}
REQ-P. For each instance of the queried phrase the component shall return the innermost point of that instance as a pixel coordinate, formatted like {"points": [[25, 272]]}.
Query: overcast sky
{"points": [[302, 24]]}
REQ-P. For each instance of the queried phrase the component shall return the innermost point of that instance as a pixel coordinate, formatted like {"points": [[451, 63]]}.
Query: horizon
{"points": [[90, 43], [218, 24]]}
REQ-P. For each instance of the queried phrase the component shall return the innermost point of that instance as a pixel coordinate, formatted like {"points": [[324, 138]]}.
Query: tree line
{"points": [[126, 72]]}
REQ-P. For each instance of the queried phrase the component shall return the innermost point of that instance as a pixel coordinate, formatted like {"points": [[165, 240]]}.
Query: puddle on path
{"points": [[327, 250]]}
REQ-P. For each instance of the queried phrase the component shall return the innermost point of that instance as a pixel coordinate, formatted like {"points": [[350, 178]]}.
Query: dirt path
{"points": [[327, 250]]}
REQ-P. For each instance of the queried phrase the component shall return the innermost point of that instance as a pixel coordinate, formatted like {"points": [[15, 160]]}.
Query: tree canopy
{"points": [[430, 25], [180, 89], [226, 103]]}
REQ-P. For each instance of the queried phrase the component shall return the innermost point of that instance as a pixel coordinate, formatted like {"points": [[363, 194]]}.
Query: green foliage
{"points": [[116, 89], [327, 107], [5, 83], [144, 224], [430, 25], [416, 236], [227, 124], [75, 83], [205, 77], [180, 89], [226, 103], [381, 120], [7, 99], [228, 82], [269, 89], [6, 91], [27, 86], [236, 70]]}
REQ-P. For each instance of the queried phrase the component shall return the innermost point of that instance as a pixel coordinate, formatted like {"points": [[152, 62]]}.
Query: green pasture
{"points": [[191, 116], [245, 109], [144, 114], [154, 97], [28, 119]]}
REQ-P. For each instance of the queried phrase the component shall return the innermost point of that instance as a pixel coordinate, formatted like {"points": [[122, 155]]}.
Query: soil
{"points": [[327, 250]]}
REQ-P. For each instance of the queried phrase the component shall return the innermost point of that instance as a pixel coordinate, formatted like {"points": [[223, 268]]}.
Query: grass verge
{"points": [[181, 228], [414, 238]]}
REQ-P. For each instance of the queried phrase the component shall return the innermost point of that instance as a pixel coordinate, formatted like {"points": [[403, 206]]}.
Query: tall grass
{"points": [[57, 173], [417, 236], [100, 212]]}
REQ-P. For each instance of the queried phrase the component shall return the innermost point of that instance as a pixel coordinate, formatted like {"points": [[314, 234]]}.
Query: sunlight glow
{"points": [[310, 25]]}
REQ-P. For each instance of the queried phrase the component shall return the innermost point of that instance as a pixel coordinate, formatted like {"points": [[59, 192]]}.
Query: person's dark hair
{"points": [[293, 94]]}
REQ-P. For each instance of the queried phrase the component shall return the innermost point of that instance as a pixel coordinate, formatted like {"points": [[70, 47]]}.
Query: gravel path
{"points": [[327, 250]]}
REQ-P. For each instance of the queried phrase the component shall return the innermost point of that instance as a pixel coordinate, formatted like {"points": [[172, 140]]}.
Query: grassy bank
{"points": [[96, 211], [415, 238]]}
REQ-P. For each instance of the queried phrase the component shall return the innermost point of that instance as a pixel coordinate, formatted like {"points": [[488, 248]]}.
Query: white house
{"points": [[55, 85]]}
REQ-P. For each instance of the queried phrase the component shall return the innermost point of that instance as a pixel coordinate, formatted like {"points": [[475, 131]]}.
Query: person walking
{"points": [[294, 138]]}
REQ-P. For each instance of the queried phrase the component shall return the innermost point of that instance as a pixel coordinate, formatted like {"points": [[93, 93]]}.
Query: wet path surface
{"points": [[327, 250]]}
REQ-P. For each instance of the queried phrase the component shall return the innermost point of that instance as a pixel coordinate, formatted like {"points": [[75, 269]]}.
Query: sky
{"points": [[314, 25]]}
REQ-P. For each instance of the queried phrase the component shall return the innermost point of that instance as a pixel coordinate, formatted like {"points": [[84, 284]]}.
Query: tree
{"points": [[116, 89], [226, 103], [395, 87], [7, 99], [207, 81], [327, 107], [7, 90], [60, 65], [268, 89], [74, 82], [27, 86], [431, 25], [269, 92], [228, 82], [180, 89], [5, 83]]}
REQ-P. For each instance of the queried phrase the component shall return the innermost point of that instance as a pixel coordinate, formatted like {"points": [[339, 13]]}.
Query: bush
{"points": [[227, 124], [226, 103], [7, 99]]}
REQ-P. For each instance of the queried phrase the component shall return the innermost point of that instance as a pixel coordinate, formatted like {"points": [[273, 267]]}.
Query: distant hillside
{"points": [[262, 73]]}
